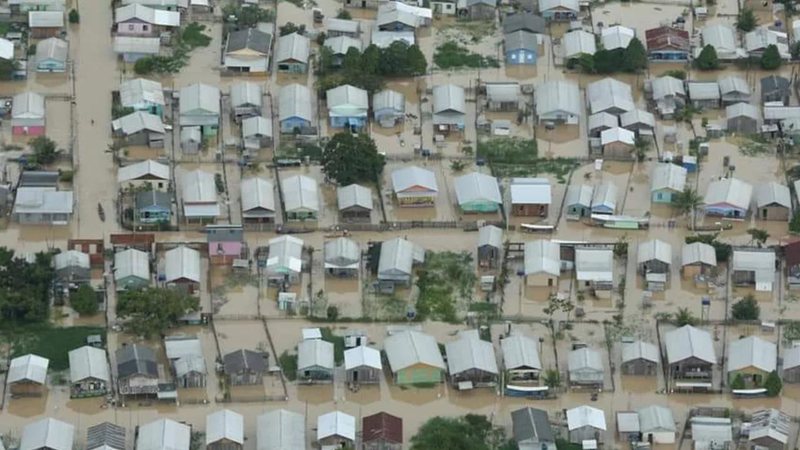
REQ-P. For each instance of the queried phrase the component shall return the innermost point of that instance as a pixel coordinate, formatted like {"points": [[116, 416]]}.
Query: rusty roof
{"points": [[667, 37], [382, 426]]}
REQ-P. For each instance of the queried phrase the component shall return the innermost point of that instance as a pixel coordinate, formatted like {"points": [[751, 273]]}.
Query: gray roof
{"points": [[300, 193], [147, 14], [520, 351], [704, 90], [448, 97], [770, 423], [616, 37], [388, 98], [182, 263], [244, 360], [342, 25], [137, 122], [164, 434], [773, 193], [490, 235], [294, 101], [141, 91], [131, 262], [354, 195], [524, 21], [27, 105], [281, 430], [578, 42], [52, 48], [741, 109], [571, 5], [605, 195], [558, 95], [754, 352], [668, 176], [408, 348], [136, 359], [579, 195], [257, 193], [637, 117], [667, 86], [586, 416], [689, 342], [246, 93], [656, 418], [147, 169], [46, 19], [33, 200], [28, 368], [594, 264], [137, 45], [350, 98], [199, 187], [468, 353], [293, 47], [199, 97], [503, 92], [603, 120], [530, 191], [609, 93], [791, 357], [520, 39], [477, 187], [718, 430], [542, 256], [71, 258], [698, 252], [249, 38], [531, 424], [632, 351], [397, 257], [733, 85], [654, 250], [720, 36], [224, 425], [105, 436], [342, 252], [313, 353], [409, 177], [731, 191], [88, 362], [339, 45], [256, 126], [47, 433], [585, 358]]}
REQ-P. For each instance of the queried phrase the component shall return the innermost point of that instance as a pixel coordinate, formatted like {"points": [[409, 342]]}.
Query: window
{"points": [[144, 27], [130, 27]]}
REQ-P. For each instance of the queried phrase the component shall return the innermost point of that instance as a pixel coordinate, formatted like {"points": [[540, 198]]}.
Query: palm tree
{"points": [[640, 148], [687, 202], [684, 317]]}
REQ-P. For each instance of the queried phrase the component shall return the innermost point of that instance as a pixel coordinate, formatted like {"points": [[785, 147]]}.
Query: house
{"points": [[47, 434], [594, 269], [27, 114], [364, 4], [542, 263], [657, 425], [690, 354], [616, 37], [141, 20], [27, 375], [131, 269], [226, 245], [258, 200], [752, 359], [341, 27], [88, 372], [757, 41], [164, 434], [415, 187], [382, 431], [355, 203], [704, 94], [444, 7], [585, 368], [347, 107], [285, 260], [577, 43], [775, 89], [728, 197], [23, 6], [711, 432], [246, 100], [339, 46], [531, 429], [639, 358], [477, 9], [342, 257], [300, 198], [792, 255], [72, 266], [134, 48], [397, 16], [530, 197], [141, 94], [471, 361], [140, 128], [166, 5], [558, 101], [256, 133], [182, 268], [51, 55], [185, 355], [490, 246], [137, 371], [224, 430], [292, 54], [199, 197], [639, 121], [336, 430], [152, 207], [105, 436], [769, 429], [247, 51], [414, 357], [559, 10], [585, 423], [604, 199], [773, 202], [477, 193], [733, 90], [742, 118], [199, 106], [521, 359], [667, 43], [524, 21], [754, 267], [617, 143], [244, 367], [362, 365], [148, 174], [191, 140], [294, 109], [723, 38], [45, 24], [654, 257], [667, 180], [42, 206], [791, 364], [609, 95], [697, 259], [669, 95], [388, 108], [521, 47], [280, 429], [627, 426], [397, 259], [448, 108], [315, 361], [578, 201], [503, 96], [600, 122]]}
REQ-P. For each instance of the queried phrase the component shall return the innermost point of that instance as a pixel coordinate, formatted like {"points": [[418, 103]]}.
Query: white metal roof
{"points": [[388, 98], [617, 134], [6, 49], [609, 93], [583, 416], [138, 45], [46, 19], [741, 109], [257, 193], [616, 36], [339, 45], [164, 434], [336, 423], [199, 187], [704, 90], [730, 191], [448, 97], [47, 433], [594, 264], [733, 85], [752, 351], [148, 168], [362, 356], [638, 117], [292, 47], [224, 424], [342, 252], [770, 423], [397, 257], [632, 351], [689, 342], [761, 261], [773, 193], [656, 418], [412, 177], [503, 92], [469, 353], [346, 100], [141, 91], [556, 96], [182, 263], [667, 86], [668, 176], [199, 98], [762, 37], [280, 429], [520, 351], [314, 353], [71, 258], [138, 121], [477, 187], [300, 193], [285, 254], [490, 235], [144, 13], [605, 195], [579, 195], [536, 191], [542, 256], [354, 195], [246, 93], [294, 100], [698, 252], [791, 357], [88, 362], [571, 5], [583, 359], [578, 42], [708, 430], [52, 48], [256, 126], [719, 36], [410, 347], [131, 262], [654, 250], [27, 105], [34, 200], [28, 368], [603, 120]]}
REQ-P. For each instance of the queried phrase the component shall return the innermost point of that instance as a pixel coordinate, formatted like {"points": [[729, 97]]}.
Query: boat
{"points": [[101, 213], [526, 391]]}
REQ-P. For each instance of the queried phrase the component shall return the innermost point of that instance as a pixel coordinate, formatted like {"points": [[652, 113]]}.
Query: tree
{"points": [[607, 61], [44, 150], [746, 20], [349, 158], [707, 59], [394, 58], [771, 58], [344, 14], [7, 69], [773, 384], [721, 249], [25, 287], [686, 202], [738, 382], [470, 432], [249, 16], [634, 57], [415, 60], [74, 16], [758, 235], [84, 300], [150, 312], [552, 378], [795, 50], [290, 28], [684, 317], [746, 309], [640, 148], [585, 62]]}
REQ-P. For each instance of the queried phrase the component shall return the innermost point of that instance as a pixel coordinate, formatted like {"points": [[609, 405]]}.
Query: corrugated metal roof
{"points": [[741, 110], [733, 85], [603, 120], [390, 99], [397, 257], [137, 45], [668, 176], [137, 122], [578, 42], [711, 430], [407, 348], [638, 117], [250, 39], [730, 191], [520, 39], [579, 195], [605, 195], [362, 356], [141, 91], [71, 258], [520, 352], [131, 263], [199, 98], [524, 21], [572, 5], [752, 351], [347, 100], [336, 423], [533, 191], [88, 362], [293, 47], [258, 193], [105, 436], [27, 105], [34, 200], [667, 86], [300, 193], [762, 37], [654, 250], [342, 252], [47, 433], [285, 254], [136, 359], [490, 235], [413, 176], [556, 96], [448, 97], [314, 353], [704, 90], [256, 127], [294, 101], [144, 13], [616, 36], [609, 93], [656, 418], [761, 261], [771, 424], [594, 264], [354, 195], [689, 342], [164, 434], [246, 93], [586, 416], [531, 424], [342, 25], [45, 19], [225, 424], [148, 168], [791, 357], [583, 359], [617, 134], [52, 48], [719, 36], [339, 45], [542, 256], [182, 263], [382, 427], [281, 430], [503, 92], [28, 368], [773, 193], [477, 187], [631, 351], [199, 187], [698, 252], [469, 353]]}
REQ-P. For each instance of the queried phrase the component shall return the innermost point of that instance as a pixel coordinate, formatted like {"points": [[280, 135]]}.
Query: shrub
{"points": [[74, 16]]}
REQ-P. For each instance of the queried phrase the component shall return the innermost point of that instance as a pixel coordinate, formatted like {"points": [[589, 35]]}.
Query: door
{"points": [[355, 376]]}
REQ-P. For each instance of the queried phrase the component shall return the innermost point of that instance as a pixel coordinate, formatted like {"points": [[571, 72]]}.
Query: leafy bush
{"points": [[84, 300], [746, 309], [773, 384], [194, 37], [450, 55], [74, 16]]}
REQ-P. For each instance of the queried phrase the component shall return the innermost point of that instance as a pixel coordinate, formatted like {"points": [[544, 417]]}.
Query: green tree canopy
{"points": [[771, 58], [607, 61], [738, 382], [552, 378], [707, 59], [416, 64], [150, 312], [470, 432], [44, 150], [24, 287], [773, 384], [721, 249], [84, 300], [634, 57], [758, 235], [685, 317], [746, 309], [350, 158], [746, 20]]}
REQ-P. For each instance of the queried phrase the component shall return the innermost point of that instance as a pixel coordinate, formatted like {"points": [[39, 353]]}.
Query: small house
{"points": [[336, 430], [524, 21], [27, 375], [339, 46], [609, 95], [585, 423], [150, 175], [382, 431], [191, 140], [617, 143], [542, 263], [27, 114], [347, 107], [722, 37], [315, 361], [773, 202], [88, 372], [791, 365], [342, 257], [711, 432], [415, 187], [704, 94], [105, 436], [137, 370], [478, 9], [654, 257], [224, 430], [769, 429], [471, 361], [578, 43], [604, 199], [414, 357], [397, 259], [341, 27], [140, 20], [521, 47], [733, 90], [247, 51], [185, 355], [362, 365], [503, 96], [388, 108], [401, 17], [594, 269], [585, 368], [47, 434], [639, 121], [199, 106], [23, 6], [754, 267], [449, 109], [72, 266], [300, 198], [141, 94], [294, 109], [355, 203], [165, 5], [627, 426], [742, 118], [182, 268], [690, 354], [285, 260], [639, 358], [51, 55], [292, 54], [246, 100], [244, 367], [698, 259], [133, 48], [667, 181], [42, 206], [559, 10], [728, 197], [477, 193], [280, 429], [667, 43], [258, 200], [758, 40], [140, 128], [226, 244], [45, 24], [751, 358], [531, 429], [600, 122], [616, 37], [490, 246], [530, 197], [578, 201], [669, 94], [164, 434], [444, 7], [521, 359], [775, 89], [657, 424], [256, 133], [131, 269], [558, 101]]}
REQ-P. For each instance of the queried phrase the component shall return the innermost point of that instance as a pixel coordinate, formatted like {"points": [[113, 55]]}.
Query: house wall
{"points": [[26, 389], [488, 256], [578, 211], [363, 375], [691, 369], [292, 67], [381, 444], [388, 117], [692, 270], [530, 210], [725, 211], [42, 219], [542, 279], [559, 15], [743, 277], [28, 130], [578, 435], [368, 4], [479, 207], [224, 444], [639, 367], [136, 28], [791, 375], [50, 65], [706, 104], [355, 214], [396, 26], [750, 375], [618, 150], [348, 122], [192, 380], [775, 212], [301, 215], [660, 437], [585, 377], [654, 266], [503, 106], [335, 441], [416, 201], [289, 125], [661, 196], [419, 373], [89, 387], [337, 33], [245, 378], [131, 283], [44, 33], [443, 8], [668, 55], [742, 125], [481, 12], [479, 378], [735, 97], [130, 57], [521, 56], [314, 375]]}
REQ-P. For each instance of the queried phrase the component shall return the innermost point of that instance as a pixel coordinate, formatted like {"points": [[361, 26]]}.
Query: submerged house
{"points": [[477, 193], [503, 96], [224, 430], [490, 246], [585, 423], [140, 128], [733, 90], [47, 434], [657, 424], [609, 95], [339, 46], [131, 269], [639, 358], [294, 109], [471, 361], [27, 375], [362, 365], [244, 367], [669, 94], [742, 118], [258, 200], [690, 354], [315, 361], [347, 107], [542, 263], [256, 133], [336, 430], [414, 357], [521, 47], [654, 257], [137, 370], [388, 108], [791, 365], [164, 434], [300, 198], [199, 106], [415, 187], [521, 359], [559, 10], [105, 436], [141, 94], [773, 202], [246, 100], [182, 268], [667, 180], [382, 431], [132, 48], [558, 101], [531, 429], [585, 367], [775, 89], [51, 55], [769, 429], [530, 197], [754, 267], [667, 43], [149, 175], [594, 269], [355, 203], [292, 53], [449, 110], [185, 355], [285, 262], [697, 259], [88, 372], [728, 197], [752, 359], [578, 201], [604, 199], [247, 51], [617, 143], [397, 259], [27, 114], [342, 257], [704, 94], [578, 43], [280, 429], [72, 266]]}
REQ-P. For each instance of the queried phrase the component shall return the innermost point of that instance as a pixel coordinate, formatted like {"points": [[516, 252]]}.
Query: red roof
{"points": [[792, 253], [665, 38], [382, 426]]}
